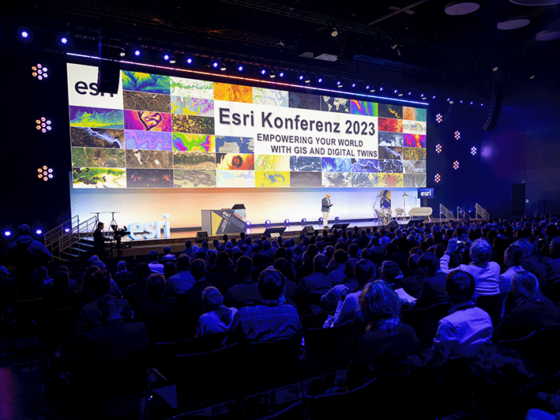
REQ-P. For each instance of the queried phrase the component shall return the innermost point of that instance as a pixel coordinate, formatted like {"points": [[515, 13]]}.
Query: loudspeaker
{"points": [[278, 230], [518, 199], [340, 226], [494, 112], [307, 230], [393, 224], [109, 69], [201, 237]]}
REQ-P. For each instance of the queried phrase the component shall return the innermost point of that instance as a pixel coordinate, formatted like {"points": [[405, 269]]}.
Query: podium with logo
{"points": [[219, 222]]}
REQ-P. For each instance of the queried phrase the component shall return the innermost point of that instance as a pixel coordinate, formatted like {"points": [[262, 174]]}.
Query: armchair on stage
{"points": [[218, 222], [420, 213]]}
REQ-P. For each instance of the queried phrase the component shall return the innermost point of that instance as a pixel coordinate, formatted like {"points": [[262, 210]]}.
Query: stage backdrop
{"points": [[183, 144]]}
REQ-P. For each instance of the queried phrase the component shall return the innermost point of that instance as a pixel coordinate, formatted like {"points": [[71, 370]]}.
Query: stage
{"points": [[179, 236]]}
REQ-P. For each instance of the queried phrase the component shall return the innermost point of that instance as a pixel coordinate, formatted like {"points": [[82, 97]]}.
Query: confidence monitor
{"points": [[238, 207], [278, 230]]}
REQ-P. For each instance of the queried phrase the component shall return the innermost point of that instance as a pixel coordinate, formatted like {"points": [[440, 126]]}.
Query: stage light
{"points": [[137, 53], [473, 151], [287, 221], [240, 68], [67, 230], [248, 224], [439, 118], [307, 80], [122, 52], [172, 59], [301, 77], [472, 103], [439, 148], [189, 60], [367, 87], [64, 40], [39, 71], [495, 68], [43, 125], [396, 91], [45, 173], [267, 222], [481, 104], [381, 89], [372, 90], [409, 93], [457, 135], [281, 74], [320, 80], [448, 99], [39, 232], [336, 219], [456, 165], [7, 233], [434, 97], [320, 220], [334, 32], [166, 57], [461, 101], [263, 72], [304, 220], [531, 77], [272, 75], [400, 94], [215, 64], [339, 84], [353, 85], [24, 34], [437, 178]]}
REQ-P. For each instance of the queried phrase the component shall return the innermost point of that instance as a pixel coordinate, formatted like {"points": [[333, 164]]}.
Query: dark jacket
{"points": [[244, 293], [136, 292], [413, 284], [316, 283], [148, 309], [192, 298], [224, 278], [116, 337], [433, 291], [90, 318], [28, 255]]}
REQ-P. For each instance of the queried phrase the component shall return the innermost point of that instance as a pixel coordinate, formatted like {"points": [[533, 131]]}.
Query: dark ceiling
{"points": [[434, 50]]}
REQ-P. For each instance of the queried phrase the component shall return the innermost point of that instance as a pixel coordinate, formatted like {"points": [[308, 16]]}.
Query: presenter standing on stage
{"points": [[326, 208]]}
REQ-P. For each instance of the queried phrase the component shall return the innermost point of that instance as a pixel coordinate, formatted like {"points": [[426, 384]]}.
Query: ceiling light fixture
{"points": [[460, 8]]}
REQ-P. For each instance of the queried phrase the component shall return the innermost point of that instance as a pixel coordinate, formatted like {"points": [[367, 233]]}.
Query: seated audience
{"points": [[466, 327], [349, 306], [433, 289], [285, 268], [269, 320], [318, 282], [61, 296], [532, 311], [218, 318], [530, 262], [188, 251], [552, 266], [167, 255], [183, 280], [122, 272], [89, 316], [389, 272], [225, 275], [512, 260], [329, 301], [414, 282], [136, 292], [113, 336], [169, 269], [246, 292], [336, 274], [486, 273], [192, 298], [385, 337], [153, 263], [159, 303], [402, 254]]}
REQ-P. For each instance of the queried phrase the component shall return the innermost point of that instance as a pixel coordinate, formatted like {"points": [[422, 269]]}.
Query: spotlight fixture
{"points": [[307, 80], [25, 34], [240, 68], [319, 80], [473, 151], [472, 103], [451, 102], [263, 72], [372, 90], [215, 64], [122, 52], [301, 77], [7, 233], [223, 67], [396, 91], [39, 232], [272, 74], [43, 125], [281, 74], [336, 219], [381, 89], [439, 149], [434, 97], [248, 224], [457, 135], [166, 57], [45, 173], [461, 101], [320, 220], [400, 94], [39, 71], [481, 104], [189, 60], [137, 53], [353, 85], [531, 77], [495, 68], [460, 8], [409, 93], [437, 178], [287, 221], [304, 220], [172, 60], [367, 87], [64, 40], [67, 230], [339, 84], [267, 223], [456, 165], [439, 118], [334, 32]]}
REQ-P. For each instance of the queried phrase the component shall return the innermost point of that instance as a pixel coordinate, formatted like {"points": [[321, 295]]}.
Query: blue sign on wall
{"points": [[425, 193]]}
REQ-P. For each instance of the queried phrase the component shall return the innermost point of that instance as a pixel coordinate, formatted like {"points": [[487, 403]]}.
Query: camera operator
{"points": [[99, 240]]}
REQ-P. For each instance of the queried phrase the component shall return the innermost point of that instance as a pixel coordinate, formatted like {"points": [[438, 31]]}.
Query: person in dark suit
{"points": [[192, 298], [225, 275], [159, 303], [136, 292], [188, 249], [318, 282], [532, 311], [433, 289], [414, 282], [326, 208], [61, 296], [247, 291], [99, 240], [114, 336], [89, 316]]}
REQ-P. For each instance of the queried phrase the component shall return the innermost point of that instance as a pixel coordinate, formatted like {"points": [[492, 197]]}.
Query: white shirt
{"points": [[507, 277], [210, 323], [463, 331], [485, 279]]}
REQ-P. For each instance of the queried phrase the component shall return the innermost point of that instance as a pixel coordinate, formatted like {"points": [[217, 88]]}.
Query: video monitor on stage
{"points": [[162, 131]]}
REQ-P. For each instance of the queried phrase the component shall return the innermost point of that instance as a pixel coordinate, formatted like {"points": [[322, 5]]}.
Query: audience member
{"points": [[349, 306], [169, 269], [512, 260], [285, 268], [153, 263], [183, 280], [136, 292], [269, 320], [167, 255], [246, 292], [159, 303], [27, 255], [530, 262], [414, 282], [336, 274], [466, 327], [486, 273], [192, 298], [122, 272], [225, 275], [552, 266], [329, 301], [389, 272], [188, 251], [532, 311], [61, 296], [433, 289], [385, 337], [219, 317], [318, 282]]}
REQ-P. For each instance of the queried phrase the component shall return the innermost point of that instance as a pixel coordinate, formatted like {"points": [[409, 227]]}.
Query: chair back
{"points": [[540, 348], [191, 321], [552, 291], [270, 363], [424, 321], [313, 321], [207, 377], [25, 314], [328, 349], [380, 214], [493, 305], [344, 405]]}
